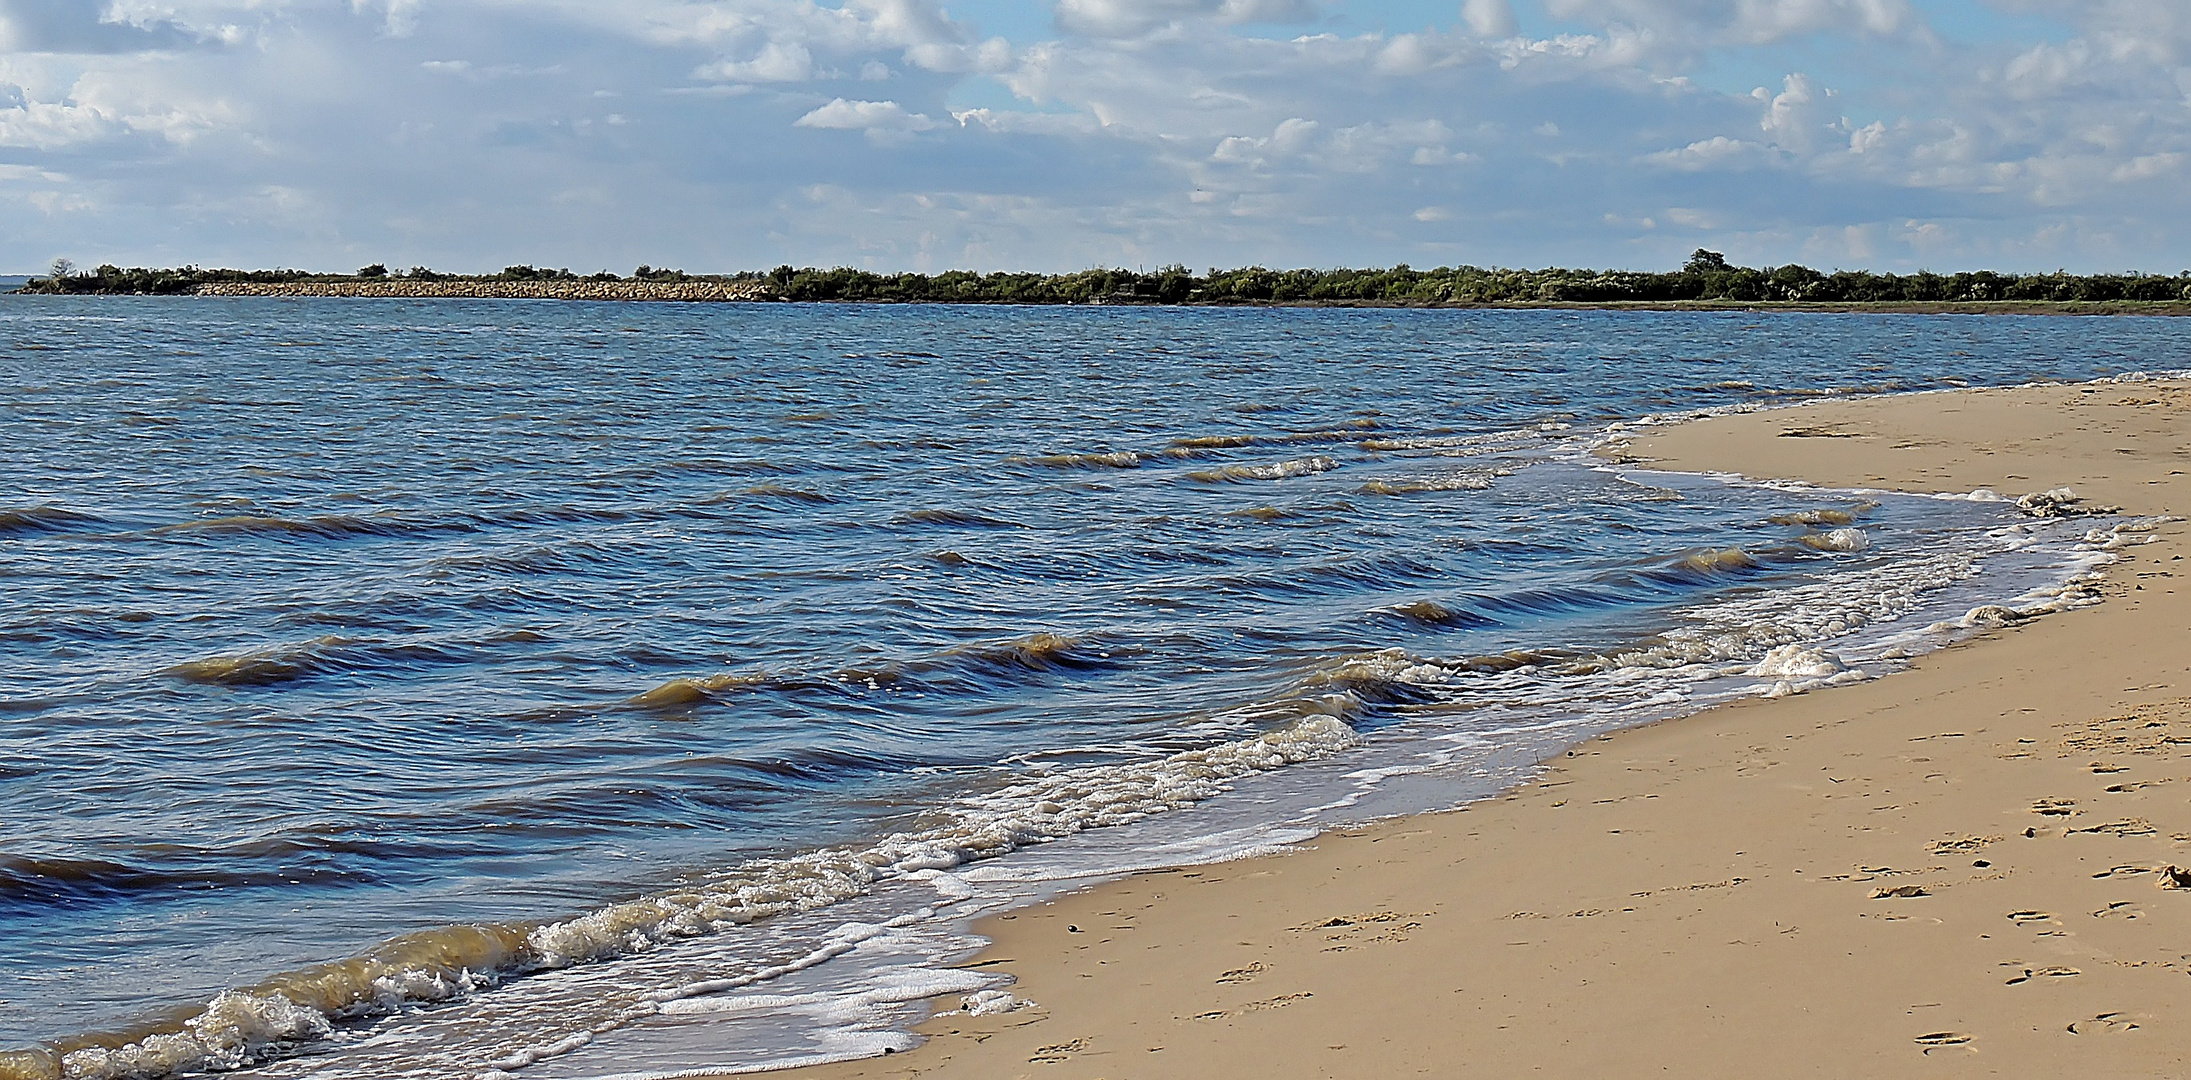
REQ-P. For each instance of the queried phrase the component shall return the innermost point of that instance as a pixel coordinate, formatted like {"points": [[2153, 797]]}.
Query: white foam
{"points": [[239, 1028], [1277, 470], [2060, 502], [1034, 811], [993, 1003], [236, 1029], [914, 984], [1781, 637], [1776, 636], [1848, 540], [1797, 661]]}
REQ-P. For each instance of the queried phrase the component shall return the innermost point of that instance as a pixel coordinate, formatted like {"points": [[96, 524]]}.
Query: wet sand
{"points": [[1964, 869]]}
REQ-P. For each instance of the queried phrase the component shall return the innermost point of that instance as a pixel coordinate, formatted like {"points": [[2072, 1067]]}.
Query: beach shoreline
{"points": [[1966, 868]]}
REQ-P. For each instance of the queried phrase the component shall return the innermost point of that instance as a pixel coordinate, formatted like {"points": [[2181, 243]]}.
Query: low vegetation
{"points": [[1707, 277]]}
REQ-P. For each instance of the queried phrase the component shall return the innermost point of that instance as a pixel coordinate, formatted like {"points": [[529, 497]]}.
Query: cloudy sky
{"points": [[718, 135]]}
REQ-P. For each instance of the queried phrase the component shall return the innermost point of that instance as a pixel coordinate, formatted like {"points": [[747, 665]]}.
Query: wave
{"points": [[955, 518], [1464, 445], [531, 559], [319, 526], [1837, 540], [1433, 613], [264, 667], [685, 693], [43, 518], [785, 491], [321, 655], [279, 1016], [33, 884], [1277, 470], [1715, 561], [1122, 459], [1462, 481], [1010, 659], [1849, 516], [556, 515], [1035, 652]]}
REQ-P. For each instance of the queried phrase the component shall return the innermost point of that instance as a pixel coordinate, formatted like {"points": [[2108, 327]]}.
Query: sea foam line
{"points": [[241, 1027]]}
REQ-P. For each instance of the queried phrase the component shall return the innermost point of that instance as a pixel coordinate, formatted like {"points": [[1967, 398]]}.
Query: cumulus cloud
{"points": [[339, 132], [1131, 18], [1717, 152], [873, 117], [1684, 29]]}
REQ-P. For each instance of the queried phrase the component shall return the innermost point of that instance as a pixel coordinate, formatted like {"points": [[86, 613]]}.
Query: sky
{"points": [[1056, 135]]}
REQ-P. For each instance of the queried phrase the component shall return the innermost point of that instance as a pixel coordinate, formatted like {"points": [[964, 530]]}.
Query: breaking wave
{"points": [[1461, 481], [240, 1027], [1122, 459], [1277, 470]]}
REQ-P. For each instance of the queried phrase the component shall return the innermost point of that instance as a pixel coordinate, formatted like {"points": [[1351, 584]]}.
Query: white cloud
{"points": [[1799, 116], [873, 117], [40, 125], [1684, 29], [2148, 167], [337, 132], [1131, 18], [1717, 152], [1489, 18], [776, 61]]}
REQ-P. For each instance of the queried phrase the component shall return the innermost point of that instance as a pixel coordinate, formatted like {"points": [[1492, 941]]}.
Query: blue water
{"points": [[325, 622]]}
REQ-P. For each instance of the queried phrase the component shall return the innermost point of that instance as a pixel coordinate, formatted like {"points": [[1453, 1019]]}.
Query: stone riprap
{"points": [[691, 291]]}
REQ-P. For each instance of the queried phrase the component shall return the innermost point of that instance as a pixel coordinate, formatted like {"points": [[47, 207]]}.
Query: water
{"points": [[565, 689]]}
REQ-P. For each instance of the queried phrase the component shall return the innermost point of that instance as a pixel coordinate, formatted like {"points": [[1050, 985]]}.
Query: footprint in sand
{"points": [[2030, 974], [1944, 1040], [1241, 975], [2107, 1023], [1899, 891], [2120, 909], [2128, 827], [2030, 916], [1968, 845], [2125, 870], [1059, 1052]]}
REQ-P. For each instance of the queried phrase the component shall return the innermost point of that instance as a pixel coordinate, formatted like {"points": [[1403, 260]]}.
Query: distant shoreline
{"points": [[407, 289], [750, 291], [1707, 282]]}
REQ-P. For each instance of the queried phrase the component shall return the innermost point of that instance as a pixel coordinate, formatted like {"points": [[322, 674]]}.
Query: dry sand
{"points": [[1959, 870]]}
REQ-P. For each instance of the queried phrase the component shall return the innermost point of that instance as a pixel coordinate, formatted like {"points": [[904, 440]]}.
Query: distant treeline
{"points": [[140, 281], [1706, 277]]}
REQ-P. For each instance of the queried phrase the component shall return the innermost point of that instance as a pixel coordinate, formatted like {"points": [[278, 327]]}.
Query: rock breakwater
{"points": [[687, 291]]}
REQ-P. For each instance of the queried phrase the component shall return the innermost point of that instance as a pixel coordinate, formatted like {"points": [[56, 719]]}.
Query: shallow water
{"points": [[618, 653]]}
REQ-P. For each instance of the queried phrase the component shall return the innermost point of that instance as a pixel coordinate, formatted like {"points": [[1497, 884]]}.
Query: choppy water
{"points": [[490, 687]]}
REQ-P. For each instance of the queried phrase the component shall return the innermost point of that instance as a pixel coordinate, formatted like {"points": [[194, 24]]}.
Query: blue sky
{"points": [[906, 134]]}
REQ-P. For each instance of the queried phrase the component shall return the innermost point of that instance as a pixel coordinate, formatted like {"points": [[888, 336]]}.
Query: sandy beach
{"points": [[1968, 868]]}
